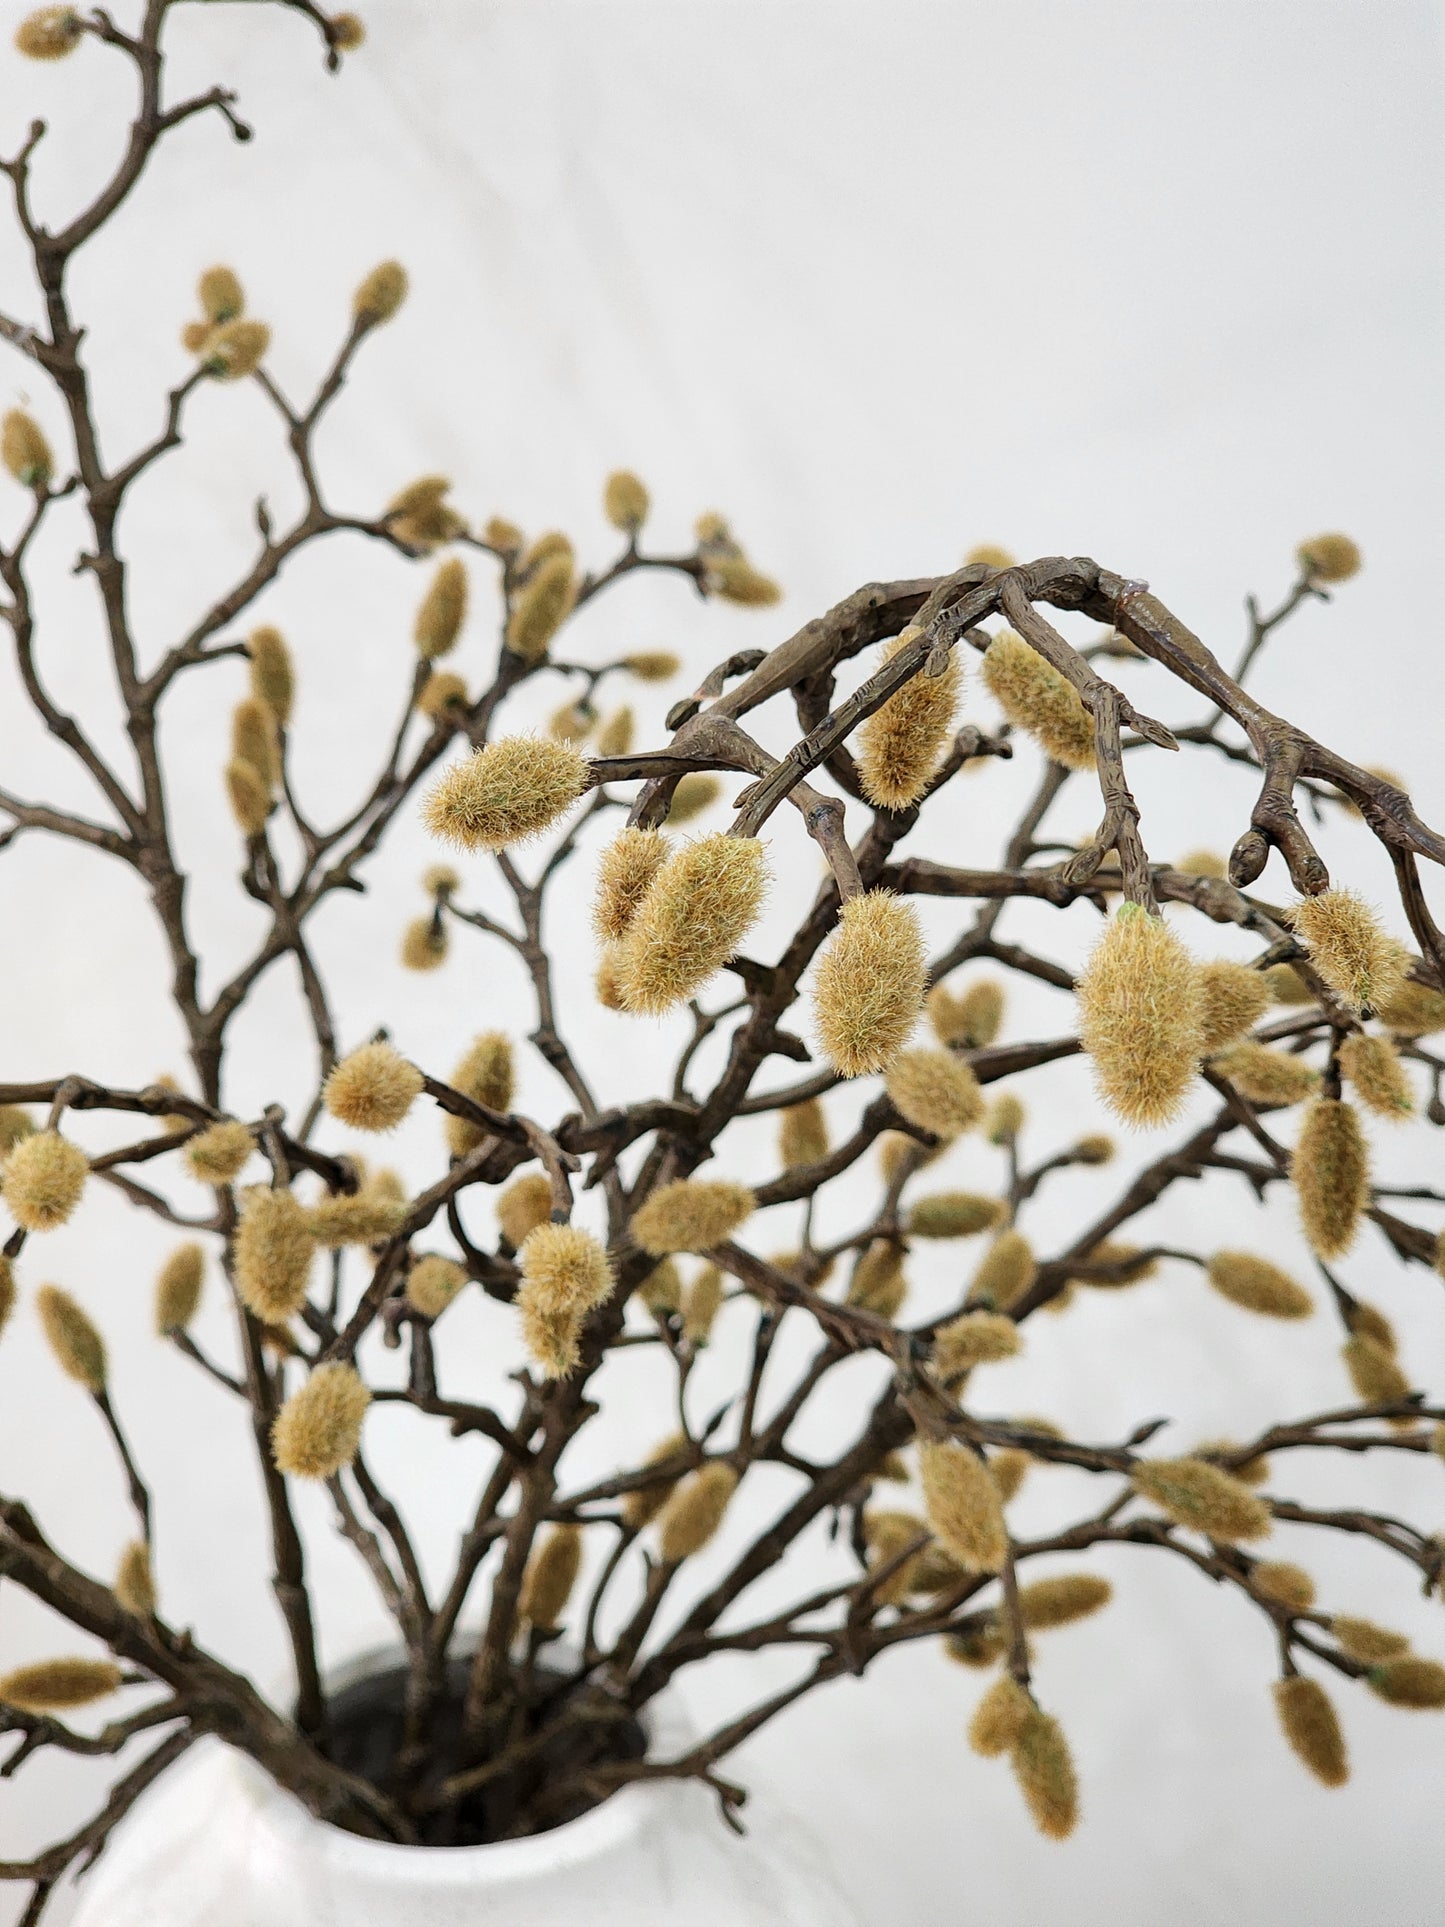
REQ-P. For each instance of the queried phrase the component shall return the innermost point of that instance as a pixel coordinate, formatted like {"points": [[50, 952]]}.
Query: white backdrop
{"points": [[1157, 283]]}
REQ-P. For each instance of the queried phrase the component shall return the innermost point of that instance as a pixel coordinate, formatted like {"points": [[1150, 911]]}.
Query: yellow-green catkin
{"points": [[318, 1429], [1374, 1372], [1232, 999], [869, 986], [625, 501], [1412, 1010], [1063, 1599], [1329, 558], [50, 33], [1362, 1639], [442, 695], [15, 1123], [897, 1149], [692, 1214], [888, 1535], [135, 1586], [1376, 1076], [235, 349], [1094, 1149], [626, 873], [975, 1338], [661, 1289], [652, 665], [550, 1576], [572, 723], [732, 577], [935, 1091], [973, 1019], [78, 1347], [250, 796], [1036, 698], [614, 738], [25, 451], [642, 1506], [221, 1151], [373, 1088], [878, 1284], [1284, 1582], [553, 1339], [509, 791], [1139, 1017], [442, 611], [1309, 1722], [999, 1717], [702, 902], [364, 1217], [701, 1305], [178, 1288], [424, 944], [1004, 1118], [58, 1685], [978, 1645], [1350, 947], [1203, 1497], [380, 295], [1266, 1076], [543, 604], [221, 295], [254, 740], [432, 1283], [1286, 986], [565, 1271], [900, 745], [1257, 1285], [695, 792], [802, 1134], [695, 1510], [990, 555], [1408, 1681], [273, 677], [43, 1180], [1044, 1769], [273, 1251], [1006, 1271], [418, 515], [1203, 863], [524, 1204], [963, 1504], [486, 1074], [1331, 1171], [953, 1214]]}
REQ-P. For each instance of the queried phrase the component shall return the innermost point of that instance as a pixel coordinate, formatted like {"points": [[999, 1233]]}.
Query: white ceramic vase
{"points": [[216, 1843]]}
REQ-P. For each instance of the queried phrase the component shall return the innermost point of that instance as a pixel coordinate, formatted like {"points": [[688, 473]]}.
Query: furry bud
{"points": [[522, 1206], [135, 1586], [999, 1717], [221, 296], [178, 1288], [652, 665], [348, 32], [972, 1020], [1232, 998], [1063, 1599], [58, 1685], [254, 741], [734, 579], [1374, 1372], [418, 515], [701, 1306], [381, 293], [50, 33], [1287, 1584], [236, 349], [273, 1250], [550, 1576], [627, 872], [487, 1076], [373, 1088], [615, 736], [1331, 1171], [43, 1179], [15, 1123], [1412, 1010], [1044, 1770], [1096, 1149], [1286, 986], [1004, 1119], [440, 880], [625, 501], [221, 1151], [878, 1284], [273, 679], [1203, 1497], [695, 1511], [1139, 1017], [887, 1535], [990, 555], [661, 1289], [935, 1090], [25, 451], [442, 694], [702, 903], [963, 1504], [564, 1269], [78, 1347], [1035, 697], [802, 1134], [1308, 1720], [1377, 1076], [977, 1338], [1257, 1285], [1005, 1273], [691, 1214], [1266, 1076], [1203, 863], [900, 745], [1407, 1681], [424, 944], [318, 1429], [1350, 947], [869, 986], [511, 790], [642, 1506], [1362, 1639], [1329, 558], [953, 1214], [553, 1338], [432, 1283], [364, 1217], [443, 610], [695, 792], [543, 604], [250, 797]]}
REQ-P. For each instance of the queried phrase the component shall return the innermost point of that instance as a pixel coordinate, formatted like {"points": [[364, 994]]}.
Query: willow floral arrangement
{"points": [[572, 1603]]}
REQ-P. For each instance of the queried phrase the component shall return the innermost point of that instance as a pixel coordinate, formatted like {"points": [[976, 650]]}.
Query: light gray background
{"points": [[1157, 283]]}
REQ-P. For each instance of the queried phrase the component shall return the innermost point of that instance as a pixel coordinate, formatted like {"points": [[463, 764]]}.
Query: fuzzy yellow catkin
{"points": [[419, 516], [888, 1535], [318, 1429], [486, 1074], [273, 1250], [380, 294], [1129, 1266], [702, 902], [524, 1204], [1203, 863], [550, 1576], [43, 1180], [935, 1091], [1005, 1272], [868, 991], [564, 1269], [1286, 986], [695, 792], [178, 1288], [1095, 1149], [220, 1152], [1377, 1076], [973, 1019], [963, 1504], [1329, 558], [1349, 946], [975, 1338], [441, 694], [652, 665], [1331, 1172], [1203, 1497], [897, 1149], [553, 1339], [365, 1217], [1308, 1721], [135, 1586], [373, 1088], [641, 1506], [625, 501], [1257, 1285], [999, 1717], [432, 1283], [695, 1510], [1063, 1599], [78, 1347], [1412, 1010], [802, 1134], [572, 723], [691, 1214], [1140, 1018], [509, 791], [979, 1645], [348, 32], [734, 578], [424, 944], [614, 738], [25, 451], [952, 1214], [440, 880], [1408, 1681], [15, 1123], [50, 33], [273, 679], [1232, 998], [1266, 1076], [220, 294], [1362, 1639], [58, 1685], [878, 1284], [899, 746], [1374, 1372], [254, 741], [1004, 1118], [661, 1289], [701, 1306], [249, 795], [542, 605], [1036, 698], [1284, 1582], [442, 611], [990, 555], [235, 349], [1044, 1770], [626, 873]]}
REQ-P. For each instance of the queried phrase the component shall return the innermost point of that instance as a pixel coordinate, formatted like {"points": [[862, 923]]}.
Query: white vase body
{"points": [[217, 1843]]}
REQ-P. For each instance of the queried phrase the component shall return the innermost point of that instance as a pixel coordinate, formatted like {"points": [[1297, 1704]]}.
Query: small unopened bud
{"points": [[1232, 999], [1036, 698], [900, 745], [1063, 1599], [364, 1217], [695, 1511], [652, 665], [443, 610], [318, 1429], [734, 579], [236, 349], [953, 1214], [1412, 1010], [221, 296], [509, 791], [15, 1123], [25, 451], [1139, 1017], [691, 1214], [973, 1019], [614, 738], [1377, 1077], [424, 944], [1408, 1681], [935, 1091], [990, 555], [432, 1283], [1331, 1172], [977, 1338], [43, 1179], [1203, 863], [1266, 1076], [1329, 558], [523, 1205], [550, 1576], [50, 33], [178, 1288], [878, 1284], [254, 741], [1203, 1497], [626, 873], [1095, 1149], [1284, 1582], [999, 1718], [250, 797], [220, 1152], [348, 32], [702, 903], [640, 1507], [135, 1586], [78, 1347], [1308, 1720], [1006, 1271], [661, 1289], [869, 986], [802, 1134], [963, 1504], [384, 289], [373, 1088], [887, 1536], [273, 1252], [1362, 1639], [486, 1074], [1258, 1285], [1044, 1769], [543, 604], [442, 695], [58, 1685], [701, 1306], [625, 501], [1350, 947], [695, 792], [1374, 1372], [418, 514], [273, 679]]}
